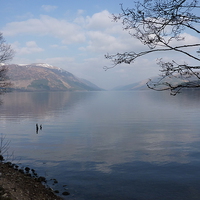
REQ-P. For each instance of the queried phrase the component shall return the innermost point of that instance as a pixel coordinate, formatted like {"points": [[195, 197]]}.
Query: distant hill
{"points": [[40, 76], [134, 86], [142, 85]]}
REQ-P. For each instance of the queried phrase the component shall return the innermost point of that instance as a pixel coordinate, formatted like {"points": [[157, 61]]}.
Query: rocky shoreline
{"points": [[16, 184]]}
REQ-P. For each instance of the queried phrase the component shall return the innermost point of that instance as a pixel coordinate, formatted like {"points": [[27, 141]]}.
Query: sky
{"points": [[74, 35]]}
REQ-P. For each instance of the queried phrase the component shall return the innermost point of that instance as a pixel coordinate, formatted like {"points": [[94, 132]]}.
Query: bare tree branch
{"points": [[157, 24]]}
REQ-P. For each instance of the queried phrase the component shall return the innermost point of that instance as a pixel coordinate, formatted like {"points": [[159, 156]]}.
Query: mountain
{"points": [[171, 80], [40, 76], [134, 86]]}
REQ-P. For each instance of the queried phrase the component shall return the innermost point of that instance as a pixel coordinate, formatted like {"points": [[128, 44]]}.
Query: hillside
{"points": [[39, 76], [142, 85], [135, 86]]}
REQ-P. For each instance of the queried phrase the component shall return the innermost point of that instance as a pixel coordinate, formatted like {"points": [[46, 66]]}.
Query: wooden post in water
{"points": [[37, 128]]}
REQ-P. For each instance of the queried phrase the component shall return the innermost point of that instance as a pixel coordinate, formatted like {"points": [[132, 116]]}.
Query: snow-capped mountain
{"points": [[42, 76]]}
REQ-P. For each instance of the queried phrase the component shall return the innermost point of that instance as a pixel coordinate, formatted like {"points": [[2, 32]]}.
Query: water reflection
{"points": [[38, 104], [135, 138], [109, 129], [186, 99]]}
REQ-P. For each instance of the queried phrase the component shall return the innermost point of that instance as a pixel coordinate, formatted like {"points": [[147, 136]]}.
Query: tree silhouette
{"points": [[159, 25], [6, 54]]}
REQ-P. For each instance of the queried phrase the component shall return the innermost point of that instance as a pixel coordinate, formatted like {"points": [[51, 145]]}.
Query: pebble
{"points": [[27, 169], [65, 193], [5, 195]]}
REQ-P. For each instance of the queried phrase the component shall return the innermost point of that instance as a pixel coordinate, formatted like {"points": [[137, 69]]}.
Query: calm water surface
{"points": [[140, 145]]}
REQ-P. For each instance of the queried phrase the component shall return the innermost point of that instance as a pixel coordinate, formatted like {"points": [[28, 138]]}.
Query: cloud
{"points": [[102, 42], [56, 46], [99, 21], [188, 39], [49, 8], [96, 34], [46, 25], [80, 12], [104, 35], [31, 47], [57, 61]]}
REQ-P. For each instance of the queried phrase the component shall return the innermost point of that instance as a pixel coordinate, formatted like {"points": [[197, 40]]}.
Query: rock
{"points": [[65, 193], [42, 179], [16, 167], [1, 158], [5, 195], [16, 185], [21, 171], [55, 181], [27, 169]]}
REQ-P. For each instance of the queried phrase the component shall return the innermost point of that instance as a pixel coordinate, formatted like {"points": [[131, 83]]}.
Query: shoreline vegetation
{"points": [[18, 184]]}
